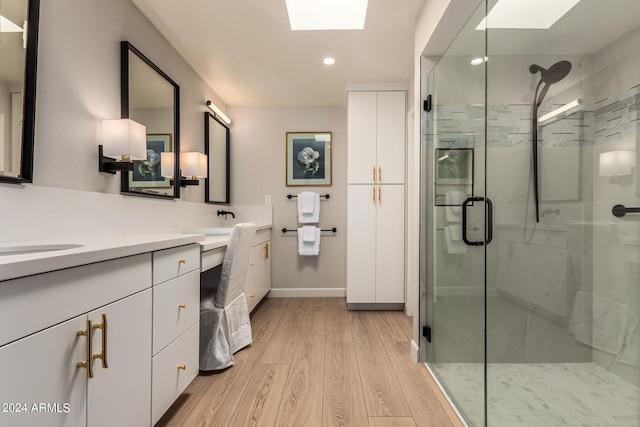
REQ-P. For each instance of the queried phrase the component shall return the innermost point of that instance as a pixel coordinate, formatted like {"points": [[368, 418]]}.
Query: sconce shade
{"points": [[167, 164], [616, 163], [124, 138], [193, 164]]}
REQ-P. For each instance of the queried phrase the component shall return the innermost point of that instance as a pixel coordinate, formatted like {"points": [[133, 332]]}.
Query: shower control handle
{"points": [[489, 229]]}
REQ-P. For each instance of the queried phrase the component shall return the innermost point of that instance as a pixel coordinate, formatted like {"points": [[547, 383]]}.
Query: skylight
{"points": [[526, 14], [327, 14]]}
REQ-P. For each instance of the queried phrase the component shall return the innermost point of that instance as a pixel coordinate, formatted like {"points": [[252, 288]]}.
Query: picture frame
{"points": [[454, 166], [147, 173], [308, 157]]}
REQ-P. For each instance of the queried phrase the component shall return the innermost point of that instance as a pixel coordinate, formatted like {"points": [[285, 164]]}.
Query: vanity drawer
{"points": [[262, 236], [169, 380], [171, 263], [176, 307]]}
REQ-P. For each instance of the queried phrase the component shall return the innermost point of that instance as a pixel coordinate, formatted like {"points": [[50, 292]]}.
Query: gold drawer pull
{"points": [[86, 364], [102, 356], [374, 173], [266, 251], [380, 194], [182, 261], [182, 306], [379, 173], [182, 367], [374, 194]]}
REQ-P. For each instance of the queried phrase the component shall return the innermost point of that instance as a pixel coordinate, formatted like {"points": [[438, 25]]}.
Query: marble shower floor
{"points": [[542, 394]]}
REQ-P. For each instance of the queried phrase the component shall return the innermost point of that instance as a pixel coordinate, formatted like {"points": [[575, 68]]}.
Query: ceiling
{"points": [[246, 51]]}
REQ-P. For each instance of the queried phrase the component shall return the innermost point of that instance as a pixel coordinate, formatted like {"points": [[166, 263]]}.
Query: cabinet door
{"points": [[361, 137], [361, 243], [41, 370], [390, 245], [391, 137], [259, 275], [120, 395]]}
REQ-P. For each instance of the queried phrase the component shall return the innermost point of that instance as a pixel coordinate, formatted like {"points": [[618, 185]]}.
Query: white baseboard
{"points": [[307, 292], [414, 351]]}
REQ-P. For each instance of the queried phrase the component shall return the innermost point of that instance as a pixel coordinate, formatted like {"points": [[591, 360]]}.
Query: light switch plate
{"points": [[267, 200]]}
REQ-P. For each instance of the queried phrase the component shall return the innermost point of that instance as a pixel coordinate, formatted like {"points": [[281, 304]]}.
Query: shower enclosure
{"points": [[531, 311]]}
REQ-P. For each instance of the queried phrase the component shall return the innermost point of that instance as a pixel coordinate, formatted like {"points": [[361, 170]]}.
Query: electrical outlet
{"points": [[267, 200]]}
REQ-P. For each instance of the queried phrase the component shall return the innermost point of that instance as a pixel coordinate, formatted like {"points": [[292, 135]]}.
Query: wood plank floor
{"points": [[314, 363]]}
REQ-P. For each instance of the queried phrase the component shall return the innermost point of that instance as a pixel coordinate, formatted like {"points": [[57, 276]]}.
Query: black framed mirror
{"points": [[18, 64], [151, 98], [217, 148]]}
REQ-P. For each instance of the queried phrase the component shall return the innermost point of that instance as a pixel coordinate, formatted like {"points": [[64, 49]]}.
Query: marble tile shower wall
{"points": [[616, 117]]}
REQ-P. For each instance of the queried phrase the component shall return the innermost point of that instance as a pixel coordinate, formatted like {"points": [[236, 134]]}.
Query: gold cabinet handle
{"points": [[182, 367], [182, 261], [182, 306], [379, 173], [374, 194], [103, 355], [86, 364], [266, 251], [251, 296], [374, 173], [379, 194]]}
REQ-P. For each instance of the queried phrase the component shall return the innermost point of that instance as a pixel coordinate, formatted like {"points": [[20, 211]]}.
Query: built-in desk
{"points": [[258, 282]]}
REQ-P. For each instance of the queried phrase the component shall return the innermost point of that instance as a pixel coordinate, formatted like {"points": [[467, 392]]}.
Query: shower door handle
{"points": [[489, 229]]}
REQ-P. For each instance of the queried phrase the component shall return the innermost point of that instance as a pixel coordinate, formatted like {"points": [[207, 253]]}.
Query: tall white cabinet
{"points": [[376, 199]]}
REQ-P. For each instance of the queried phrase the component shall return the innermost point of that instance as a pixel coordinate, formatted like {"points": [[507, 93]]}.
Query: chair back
{"points": [[235, 264]]}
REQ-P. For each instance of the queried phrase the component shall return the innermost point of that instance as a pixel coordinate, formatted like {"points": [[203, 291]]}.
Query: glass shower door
{"points": [[453, 250]]}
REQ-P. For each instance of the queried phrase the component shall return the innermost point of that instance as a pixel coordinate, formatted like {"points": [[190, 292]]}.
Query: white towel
{"points": [[308, 248], [309, 234], [311, 217], [453, 240], [453, 210], [306, 202]]}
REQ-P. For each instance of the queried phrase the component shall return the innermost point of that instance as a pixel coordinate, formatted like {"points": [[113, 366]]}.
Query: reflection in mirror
{"points": [[18, 54], [216, 145], [151, 98]]}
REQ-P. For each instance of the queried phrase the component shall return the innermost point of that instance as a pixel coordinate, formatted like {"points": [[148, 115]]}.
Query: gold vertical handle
{"points": [[86, 364], [266, 251], [379, 194], [374, 194], [374, 173], [379, 173], [103, 355]]}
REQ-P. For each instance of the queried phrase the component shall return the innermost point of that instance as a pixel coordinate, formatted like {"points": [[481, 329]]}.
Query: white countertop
{"points": [[214, 242], [93, 249]]}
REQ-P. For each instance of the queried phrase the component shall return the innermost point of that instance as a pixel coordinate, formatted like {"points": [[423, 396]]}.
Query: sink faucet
{"points": [[225, 213]]}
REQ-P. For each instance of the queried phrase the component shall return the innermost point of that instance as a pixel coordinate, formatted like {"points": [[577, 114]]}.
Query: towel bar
{"points": [[284, 230], [326, 196]]}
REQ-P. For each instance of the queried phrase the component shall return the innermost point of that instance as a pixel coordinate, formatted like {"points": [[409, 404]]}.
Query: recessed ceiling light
{"points": [[328, 61], [526, 14], [327, 14]]}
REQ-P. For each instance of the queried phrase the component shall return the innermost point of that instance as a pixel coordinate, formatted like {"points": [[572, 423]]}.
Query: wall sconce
{"points": [[192, 164], [218, 112], [616, 163], [123, 140]]}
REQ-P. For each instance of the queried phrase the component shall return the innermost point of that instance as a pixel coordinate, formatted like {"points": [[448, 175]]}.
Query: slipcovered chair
{"points": [[225, 326]]}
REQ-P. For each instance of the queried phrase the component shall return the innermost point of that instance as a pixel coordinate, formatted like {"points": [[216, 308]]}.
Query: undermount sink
{"points": [[209, 231], [34, 249]]}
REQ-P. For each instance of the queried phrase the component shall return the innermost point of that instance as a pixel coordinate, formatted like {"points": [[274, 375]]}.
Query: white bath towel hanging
{"points": [[312, 217], [308, 248], [306, 202], [308, 234]]}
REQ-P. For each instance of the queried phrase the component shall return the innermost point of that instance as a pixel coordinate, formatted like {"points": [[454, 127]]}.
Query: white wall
{"points": [[258, 149], [79, 86]]}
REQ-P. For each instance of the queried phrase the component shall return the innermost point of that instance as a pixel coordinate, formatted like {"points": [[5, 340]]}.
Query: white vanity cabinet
{"points": [[258, 281], [376, 143], [176, 323], [47, 355]]}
